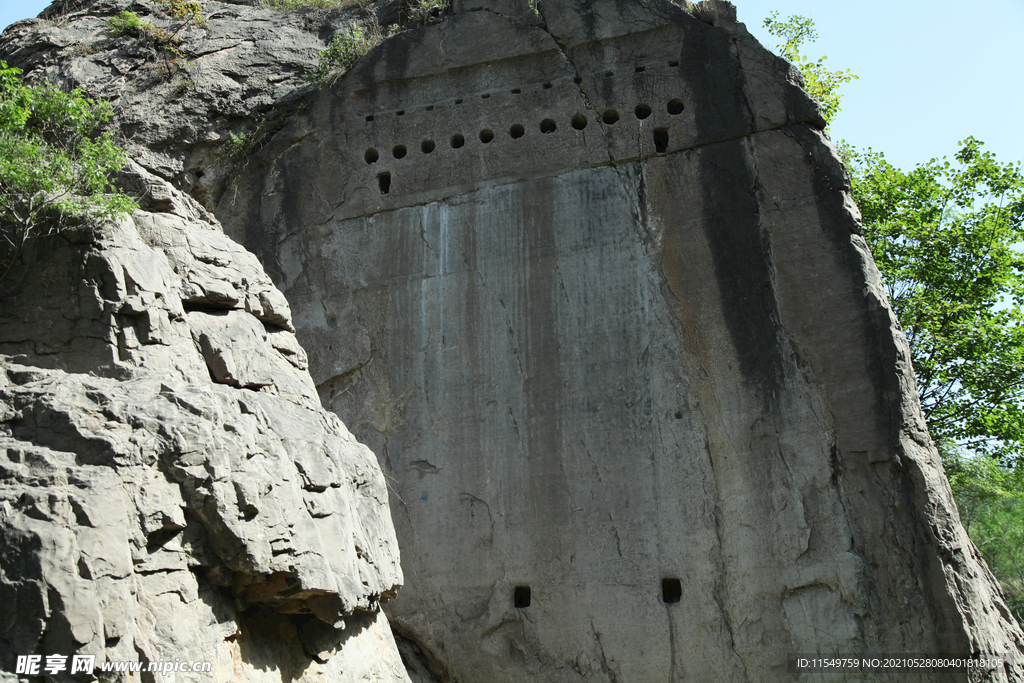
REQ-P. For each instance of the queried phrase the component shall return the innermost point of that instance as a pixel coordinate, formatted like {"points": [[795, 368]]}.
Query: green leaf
{"points": [[55, 164]]}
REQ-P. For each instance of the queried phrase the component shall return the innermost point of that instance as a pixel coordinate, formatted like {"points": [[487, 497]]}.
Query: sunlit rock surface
{"points": [[170, 488], [590, 284]]}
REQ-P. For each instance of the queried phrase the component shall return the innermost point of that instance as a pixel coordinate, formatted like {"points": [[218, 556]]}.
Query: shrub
{"points": [[184, 10], [55, 166], [343, 51], [129, 23], [168, 44]]}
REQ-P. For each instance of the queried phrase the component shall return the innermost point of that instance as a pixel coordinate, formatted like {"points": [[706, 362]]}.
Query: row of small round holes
{"points": [[517, 91], [579, 122]]}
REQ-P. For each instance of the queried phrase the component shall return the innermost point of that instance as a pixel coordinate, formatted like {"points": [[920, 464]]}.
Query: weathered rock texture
{"points": [[589, 282], [240, 74], [170, 487], [591, 285]]}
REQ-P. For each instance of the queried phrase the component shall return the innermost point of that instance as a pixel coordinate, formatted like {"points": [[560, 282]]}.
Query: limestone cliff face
{"points": [[170, 488], [586, 279], [590, 283]]}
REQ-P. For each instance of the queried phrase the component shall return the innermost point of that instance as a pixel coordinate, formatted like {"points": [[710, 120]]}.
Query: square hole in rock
{"points": [[521, 597], [671, 590]]}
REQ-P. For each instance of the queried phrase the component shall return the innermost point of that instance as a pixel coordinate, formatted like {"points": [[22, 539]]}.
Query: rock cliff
{"points": [[170, 488], [585, 276], [594, 291]]}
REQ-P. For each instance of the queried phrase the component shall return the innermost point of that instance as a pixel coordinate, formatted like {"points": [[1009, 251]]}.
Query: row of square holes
{"points": [[579, 122], [671, 593], [517, 91]]}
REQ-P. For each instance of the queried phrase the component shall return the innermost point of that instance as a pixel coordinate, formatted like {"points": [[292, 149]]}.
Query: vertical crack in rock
{"points": [[587, 101], [604, 657]]}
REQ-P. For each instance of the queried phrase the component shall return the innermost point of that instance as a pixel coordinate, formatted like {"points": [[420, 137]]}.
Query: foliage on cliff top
{"points": [[55, 166], [820, 83], [704, 11]]}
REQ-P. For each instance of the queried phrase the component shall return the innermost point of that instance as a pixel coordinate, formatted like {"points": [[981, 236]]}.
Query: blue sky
{"points": [[931, 73]]}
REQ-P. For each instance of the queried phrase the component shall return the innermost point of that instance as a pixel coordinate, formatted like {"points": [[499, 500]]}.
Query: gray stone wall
{"points": [[596, 358]]}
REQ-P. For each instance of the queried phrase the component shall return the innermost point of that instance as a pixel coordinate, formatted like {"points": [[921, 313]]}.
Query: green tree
{"points": [[820, 83], [990, 498], [946, 239], [945, 236], [55, 166]]}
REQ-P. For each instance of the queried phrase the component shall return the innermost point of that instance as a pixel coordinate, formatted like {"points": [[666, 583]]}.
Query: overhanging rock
{"points": [[590, 283]]}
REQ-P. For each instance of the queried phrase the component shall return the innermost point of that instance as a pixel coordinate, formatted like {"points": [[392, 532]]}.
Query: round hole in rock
{"points": [[458, 141], [199, 174], [547, 86], [577, 80], [398, 151], [486, 135], [610, 116], [371, 155], [516, 131], [547, 126], [427, 146], [485, 96], [370, 117], [579, 122], [675, 106], [642, 111]]}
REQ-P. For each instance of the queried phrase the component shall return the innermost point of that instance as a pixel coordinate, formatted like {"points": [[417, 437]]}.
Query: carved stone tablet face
{"points": [[615, 338]]}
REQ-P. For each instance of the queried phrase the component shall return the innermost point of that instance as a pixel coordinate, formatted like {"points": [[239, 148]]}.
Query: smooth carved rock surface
{"points": [[170, 486], [592, 287]]}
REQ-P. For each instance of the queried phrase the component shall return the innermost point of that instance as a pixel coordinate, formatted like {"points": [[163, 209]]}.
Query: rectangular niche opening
{"points": [[661, 140], [671, 591], [384, 182], [521, 597]]}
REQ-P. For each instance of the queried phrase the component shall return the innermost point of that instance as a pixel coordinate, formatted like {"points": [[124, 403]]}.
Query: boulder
{"points": [[170, 488]]}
